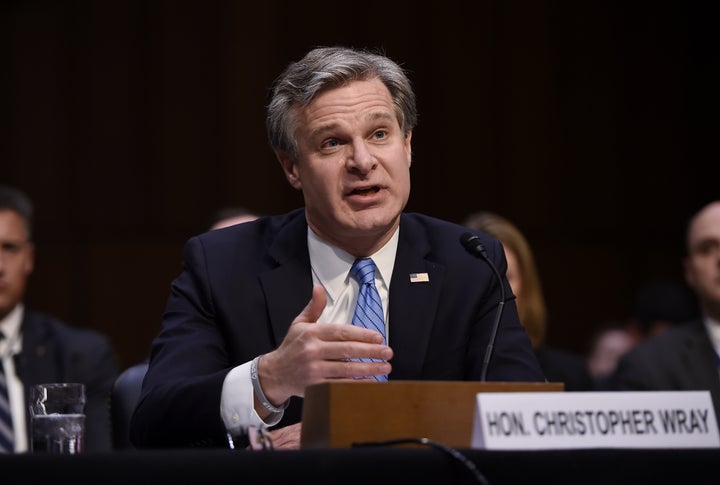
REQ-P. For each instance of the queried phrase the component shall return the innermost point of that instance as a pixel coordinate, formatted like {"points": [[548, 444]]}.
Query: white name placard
{"points": [[617, 419]]}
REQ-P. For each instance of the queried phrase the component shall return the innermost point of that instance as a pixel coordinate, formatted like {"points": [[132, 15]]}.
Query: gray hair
{"points": [[325, 68]]}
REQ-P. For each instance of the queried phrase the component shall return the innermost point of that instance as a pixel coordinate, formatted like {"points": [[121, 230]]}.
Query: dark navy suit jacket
{"points": [[241, 287], [680, 359], [53, 351]]}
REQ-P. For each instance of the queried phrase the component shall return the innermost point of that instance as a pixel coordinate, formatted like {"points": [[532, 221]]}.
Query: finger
{"points": [[355, 350], [315, 306], [287, 437], [355, 369], [347, 333]]}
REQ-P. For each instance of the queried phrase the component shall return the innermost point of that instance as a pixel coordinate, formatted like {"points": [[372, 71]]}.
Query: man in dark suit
{"points": [[685, 357], [38, 348], [261, 309]]}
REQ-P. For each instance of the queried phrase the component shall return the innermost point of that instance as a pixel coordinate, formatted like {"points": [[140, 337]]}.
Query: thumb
{"points": [[315, 306]]}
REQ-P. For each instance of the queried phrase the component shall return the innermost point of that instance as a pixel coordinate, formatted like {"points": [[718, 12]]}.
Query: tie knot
{"points": [[363, 270]]}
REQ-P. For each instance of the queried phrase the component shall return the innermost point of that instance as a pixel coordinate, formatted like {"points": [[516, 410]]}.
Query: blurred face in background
{"points": [[607, 350], [702, 265], [17, 255]]}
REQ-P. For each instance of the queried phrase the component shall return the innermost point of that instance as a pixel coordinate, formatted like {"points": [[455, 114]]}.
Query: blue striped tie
{"points": [[6, 426], [368, 311]]}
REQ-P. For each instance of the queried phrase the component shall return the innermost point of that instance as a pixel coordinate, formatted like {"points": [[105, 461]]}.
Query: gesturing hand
{"points": [[312, 353]]}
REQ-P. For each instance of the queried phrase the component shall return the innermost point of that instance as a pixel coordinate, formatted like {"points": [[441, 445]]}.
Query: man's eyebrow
{"points": [[325, 127], [705, 241], [374, 116], [381, 115], [703, 245]]}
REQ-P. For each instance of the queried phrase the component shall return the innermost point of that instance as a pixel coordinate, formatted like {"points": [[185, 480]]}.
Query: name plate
{"points": [[616, 419]]}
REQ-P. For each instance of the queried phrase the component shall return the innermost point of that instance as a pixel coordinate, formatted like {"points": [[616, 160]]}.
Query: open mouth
{"points": [[366, 190]]}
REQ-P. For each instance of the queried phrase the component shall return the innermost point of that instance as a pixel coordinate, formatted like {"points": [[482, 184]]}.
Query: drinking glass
{"points": [[57, 418]]}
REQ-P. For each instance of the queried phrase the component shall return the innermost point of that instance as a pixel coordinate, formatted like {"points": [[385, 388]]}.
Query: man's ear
{"points": [[30, 262], [408, 146], [289, 166]]}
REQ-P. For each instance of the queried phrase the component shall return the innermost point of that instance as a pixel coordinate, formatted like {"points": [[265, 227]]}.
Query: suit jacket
{"points": [[53, 351], [242, 286], [680, 359]]}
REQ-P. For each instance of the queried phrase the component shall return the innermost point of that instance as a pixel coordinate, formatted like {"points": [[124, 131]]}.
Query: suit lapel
{"points": [[413, 302], [287, 285], [288, 288]]}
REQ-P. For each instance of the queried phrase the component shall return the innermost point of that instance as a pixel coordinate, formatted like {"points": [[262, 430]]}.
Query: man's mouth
{"points": [[366, 190]]}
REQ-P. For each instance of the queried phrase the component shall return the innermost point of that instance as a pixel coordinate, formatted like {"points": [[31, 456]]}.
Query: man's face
{"points": [[353, 166], [16, 260], [702, 266]]}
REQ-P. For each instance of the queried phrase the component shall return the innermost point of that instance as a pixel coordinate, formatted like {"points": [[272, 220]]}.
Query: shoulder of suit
{"points": [[676, 337], [44, 324]]}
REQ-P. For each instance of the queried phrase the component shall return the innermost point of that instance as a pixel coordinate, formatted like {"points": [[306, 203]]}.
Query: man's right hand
{"points": [[312, 353]]}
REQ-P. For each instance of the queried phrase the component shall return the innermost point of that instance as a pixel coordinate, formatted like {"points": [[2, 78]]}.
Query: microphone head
{"points": [[465, 238], [473, 245]]}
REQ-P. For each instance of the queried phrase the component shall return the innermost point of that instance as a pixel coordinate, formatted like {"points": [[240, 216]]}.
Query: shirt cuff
{"points": [[237, 403]]}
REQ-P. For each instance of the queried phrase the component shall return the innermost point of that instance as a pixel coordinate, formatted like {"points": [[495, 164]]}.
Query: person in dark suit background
{"points": [[262, 309], [658, 305], [39, 348], [559, 365], [684, 357]]}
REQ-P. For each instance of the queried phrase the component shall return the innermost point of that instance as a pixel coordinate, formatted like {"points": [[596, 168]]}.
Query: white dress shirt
{"points": [[10, 346], [713, 329], [330, 268]]}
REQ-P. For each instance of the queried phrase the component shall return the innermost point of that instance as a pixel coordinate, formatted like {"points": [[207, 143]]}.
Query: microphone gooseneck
{"points": [[474, 246]]}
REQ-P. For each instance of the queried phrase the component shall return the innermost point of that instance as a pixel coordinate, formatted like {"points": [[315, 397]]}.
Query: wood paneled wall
{"points": [[592, 125]]}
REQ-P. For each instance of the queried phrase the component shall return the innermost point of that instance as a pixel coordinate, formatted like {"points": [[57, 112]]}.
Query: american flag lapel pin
{"points": [[419, 278]]}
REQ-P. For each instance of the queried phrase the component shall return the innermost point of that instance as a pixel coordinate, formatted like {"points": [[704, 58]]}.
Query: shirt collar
{"points": [[331, 265], [713, 329], [10, 327]]}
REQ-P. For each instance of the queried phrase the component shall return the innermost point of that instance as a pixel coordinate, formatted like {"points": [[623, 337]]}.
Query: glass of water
{"points": [[57, 419]]}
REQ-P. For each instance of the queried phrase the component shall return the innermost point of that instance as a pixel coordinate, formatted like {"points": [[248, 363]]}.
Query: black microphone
{"points": [[474, 246]]}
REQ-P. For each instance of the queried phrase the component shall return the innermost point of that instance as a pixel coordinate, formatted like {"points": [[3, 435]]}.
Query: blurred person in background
{"points": [[559, 365], [38, 348], [685, 356], [658, 306], [607, 345], [229, 216]]}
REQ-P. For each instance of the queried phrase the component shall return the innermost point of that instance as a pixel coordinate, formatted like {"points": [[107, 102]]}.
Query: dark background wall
{"points": [[592, 125]]}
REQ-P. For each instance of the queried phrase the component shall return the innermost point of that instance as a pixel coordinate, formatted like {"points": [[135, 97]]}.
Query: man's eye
{"points": [[707, 247], [331, 143], [380, 134], [11, 247]]}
